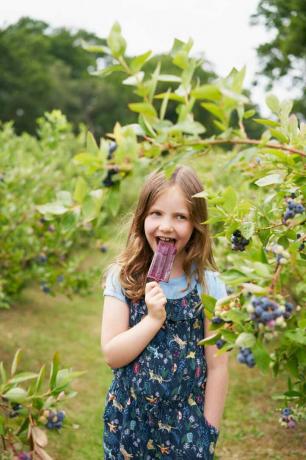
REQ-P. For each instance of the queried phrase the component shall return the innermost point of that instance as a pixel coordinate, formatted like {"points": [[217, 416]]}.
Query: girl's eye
{"points": [[181, 216]]}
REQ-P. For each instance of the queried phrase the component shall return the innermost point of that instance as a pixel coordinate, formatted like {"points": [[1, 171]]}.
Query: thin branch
{"points": [[275, 278], [251, 142]]}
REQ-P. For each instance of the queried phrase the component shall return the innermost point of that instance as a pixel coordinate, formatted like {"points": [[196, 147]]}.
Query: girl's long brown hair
{"points": [[134, 261]]}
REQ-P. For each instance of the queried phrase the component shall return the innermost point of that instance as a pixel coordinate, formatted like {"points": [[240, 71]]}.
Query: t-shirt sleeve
{"points": [[112, 284], [216, 286]]}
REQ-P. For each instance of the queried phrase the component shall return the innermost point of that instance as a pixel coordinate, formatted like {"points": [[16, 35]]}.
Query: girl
{"points": [[150, 332]]}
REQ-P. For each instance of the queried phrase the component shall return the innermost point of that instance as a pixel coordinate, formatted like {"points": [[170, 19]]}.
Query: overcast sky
{"points": [[219, 28]]}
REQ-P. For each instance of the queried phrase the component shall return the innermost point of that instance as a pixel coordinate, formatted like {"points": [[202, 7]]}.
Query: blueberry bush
{"points": [[34, 247], [30, 405]]}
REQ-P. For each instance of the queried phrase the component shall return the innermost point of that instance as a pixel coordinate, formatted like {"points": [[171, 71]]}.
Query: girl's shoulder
{"points": [[112, 285], [216, 287]]}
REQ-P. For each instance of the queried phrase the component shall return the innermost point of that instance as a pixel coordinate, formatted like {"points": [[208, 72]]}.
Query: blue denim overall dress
{"points": [[155, 405]]}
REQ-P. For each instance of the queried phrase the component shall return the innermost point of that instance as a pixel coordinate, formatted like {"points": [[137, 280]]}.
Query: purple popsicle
{"points": [[162, 262]]}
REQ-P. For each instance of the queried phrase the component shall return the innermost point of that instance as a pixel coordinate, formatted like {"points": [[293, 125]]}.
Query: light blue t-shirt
{"points": [[172, 289]]}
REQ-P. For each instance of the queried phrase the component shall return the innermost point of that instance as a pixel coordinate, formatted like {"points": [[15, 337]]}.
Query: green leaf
{"points": [[249, 114], [265, 122], [91, 145], [209, 302], [236, 316], [134, 80], [210, 92], [113, 201], [40, 378], [16, 361], [261, 356], [116, 42], [146, 126], [64, 197], [164, 105], [214, 109], [209, 340], [107, 71], [273, 103], [279, 135], [293, 365], [3, 373], [297, 336], [81, 190], [169, 78], [18, 395], [2, 425], [52, 208], [269, 180], [92, 205], [144, 108], [170, 96], [230, 199], [247, 229], [138, 61], [54, 370], [22, 377], [87, 159], [65, 377]]}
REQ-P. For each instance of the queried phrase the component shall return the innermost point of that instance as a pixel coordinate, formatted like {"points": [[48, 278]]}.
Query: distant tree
{"points": [[285, 54], [42, 69]]}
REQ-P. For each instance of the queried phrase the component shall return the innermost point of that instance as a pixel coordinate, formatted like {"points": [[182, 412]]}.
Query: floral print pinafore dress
{"points": [[155, 405]]}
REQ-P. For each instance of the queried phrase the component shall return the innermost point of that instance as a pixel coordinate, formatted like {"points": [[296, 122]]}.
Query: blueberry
{"points": [[237, 233], [241, 358], [289, 215], [217, 320], [250, 361], [286, 411], [299, 209], [220, 343]]}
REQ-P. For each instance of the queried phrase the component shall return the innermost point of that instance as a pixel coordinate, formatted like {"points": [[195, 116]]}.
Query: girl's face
{"points": [[169, 217]]}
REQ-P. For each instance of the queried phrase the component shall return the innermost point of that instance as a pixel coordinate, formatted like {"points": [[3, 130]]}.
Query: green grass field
{"points": [[40, 325]]}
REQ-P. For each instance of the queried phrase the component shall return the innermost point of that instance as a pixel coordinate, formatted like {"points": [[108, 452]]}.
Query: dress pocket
{"points": [[213, 432]]}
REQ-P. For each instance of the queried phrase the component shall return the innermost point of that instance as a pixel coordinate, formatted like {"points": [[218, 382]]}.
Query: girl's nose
{"points": [[166, 226]]}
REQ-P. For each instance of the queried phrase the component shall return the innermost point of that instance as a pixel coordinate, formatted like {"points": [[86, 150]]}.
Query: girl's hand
{"points": [[155, 300]]}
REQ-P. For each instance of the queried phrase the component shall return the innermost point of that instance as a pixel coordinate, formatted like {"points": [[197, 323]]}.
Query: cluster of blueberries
{"points": [[238, 241], [54, 419], [108, 181], [24, 456], [44, 287], [293, 208], [287, 418], [267, 311], [245, 356]]}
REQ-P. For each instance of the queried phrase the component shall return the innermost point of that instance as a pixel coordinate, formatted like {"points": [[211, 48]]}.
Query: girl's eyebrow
{"points": [[177, 212]]}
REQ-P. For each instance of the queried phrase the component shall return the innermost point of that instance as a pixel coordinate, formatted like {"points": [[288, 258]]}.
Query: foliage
{"points": [[286, 52], [26, 413], [43, 69], [259, 179], [34, 248]]}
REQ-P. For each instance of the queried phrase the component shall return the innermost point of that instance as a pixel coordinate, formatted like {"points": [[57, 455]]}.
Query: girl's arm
{"points": [[217, 382], [121, 344]]}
